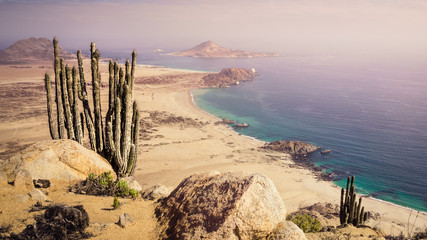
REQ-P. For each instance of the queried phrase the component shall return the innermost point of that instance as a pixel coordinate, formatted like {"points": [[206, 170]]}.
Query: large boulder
{"points": [[54, 160], [296, 148], [222, 206]]}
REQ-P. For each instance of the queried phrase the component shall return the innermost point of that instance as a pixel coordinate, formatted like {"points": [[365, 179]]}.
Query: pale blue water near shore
{"points": [[372, 117]]}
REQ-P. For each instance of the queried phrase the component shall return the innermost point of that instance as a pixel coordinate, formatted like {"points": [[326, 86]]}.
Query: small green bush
{"points": [[104, 185], [306, 222], [115, 203]]}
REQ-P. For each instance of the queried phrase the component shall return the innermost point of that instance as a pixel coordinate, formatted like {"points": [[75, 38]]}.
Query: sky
{"points": [[377, 28]]}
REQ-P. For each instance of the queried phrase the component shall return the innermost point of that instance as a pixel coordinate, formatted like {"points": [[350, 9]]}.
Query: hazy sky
{"points": [[371, 27]]}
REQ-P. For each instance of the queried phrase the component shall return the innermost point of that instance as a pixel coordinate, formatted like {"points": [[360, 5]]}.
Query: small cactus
{"points": [[351, 211]]}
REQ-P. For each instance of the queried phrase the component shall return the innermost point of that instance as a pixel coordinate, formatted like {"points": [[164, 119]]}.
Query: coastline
{"points": [[173, 150]]}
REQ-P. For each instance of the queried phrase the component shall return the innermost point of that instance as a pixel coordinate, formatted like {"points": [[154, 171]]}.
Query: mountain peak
{"points": [[31, 49]]}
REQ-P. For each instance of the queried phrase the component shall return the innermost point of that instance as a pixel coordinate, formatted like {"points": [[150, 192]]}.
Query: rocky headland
{"points": [[296, 148], [228, 76], [210, 49]]}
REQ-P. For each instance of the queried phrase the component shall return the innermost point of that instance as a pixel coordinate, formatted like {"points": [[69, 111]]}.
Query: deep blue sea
{"points": [[372, 116]]}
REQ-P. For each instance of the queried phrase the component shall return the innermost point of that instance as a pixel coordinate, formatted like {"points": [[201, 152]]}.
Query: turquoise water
{"points": [[372, 117]]}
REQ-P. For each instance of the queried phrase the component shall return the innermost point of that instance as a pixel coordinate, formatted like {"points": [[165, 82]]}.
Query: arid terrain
{"points": [[176, 140]]}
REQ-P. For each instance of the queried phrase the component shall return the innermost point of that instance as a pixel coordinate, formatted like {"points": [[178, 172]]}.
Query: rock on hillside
{"points": [[221, 206], [210, 49], [296, 148], [31, 49], [55, 160], [227, 77]]}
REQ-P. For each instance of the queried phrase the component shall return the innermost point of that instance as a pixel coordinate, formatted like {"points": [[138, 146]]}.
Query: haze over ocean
{"points": [[373, 118]]}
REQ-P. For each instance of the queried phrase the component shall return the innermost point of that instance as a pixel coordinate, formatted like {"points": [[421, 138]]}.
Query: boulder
{"points": [[156, 192], [38, 195], [287, 231], [295, 148], [125, 220], [132, 183], [221, 206], [54, 160]]}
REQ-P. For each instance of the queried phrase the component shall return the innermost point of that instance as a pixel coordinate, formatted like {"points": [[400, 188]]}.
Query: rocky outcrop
{"points": [[241, 125], [54, 160], [210, 49], [296, 148], [31, 49], [221, 206], [227, 77]]}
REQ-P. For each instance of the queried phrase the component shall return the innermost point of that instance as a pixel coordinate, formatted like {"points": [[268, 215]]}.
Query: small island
{"points": [[210, 49]]}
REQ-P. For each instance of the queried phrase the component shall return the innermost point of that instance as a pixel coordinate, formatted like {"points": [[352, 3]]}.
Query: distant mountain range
{"points": [[210, 49], [31, 49]]}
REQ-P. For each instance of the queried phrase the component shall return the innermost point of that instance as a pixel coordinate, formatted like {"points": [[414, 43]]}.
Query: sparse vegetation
{"points": [[104, 185], [307, 223]]}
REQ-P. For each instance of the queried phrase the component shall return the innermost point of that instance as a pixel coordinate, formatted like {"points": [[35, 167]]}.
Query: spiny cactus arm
{"points": [[66, 101], [90, 129], [55, 47], [86, 108], [117, 131], [127, 68], [111, 87], [127, 124], [342, 206], [59, 105], [116, 79], [132, 72], [109, 142], [135, 137], [357, 215], [52, 125], [96, 81], [78, 131], [131, 161], [70, 87], [120, 87], [82, 120], [82, 92]]}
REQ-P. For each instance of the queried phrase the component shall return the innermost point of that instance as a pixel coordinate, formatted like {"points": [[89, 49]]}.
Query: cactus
{"points": [[66, 101], [96, 92], [59, 107], [351, 211], [84, 98], [52, 125], [78, 130], [118, 142]]}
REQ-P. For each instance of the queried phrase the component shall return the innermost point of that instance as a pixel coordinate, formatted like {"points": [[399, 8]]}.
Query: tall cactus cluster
{"points": [[118, 140], [351, 210]]}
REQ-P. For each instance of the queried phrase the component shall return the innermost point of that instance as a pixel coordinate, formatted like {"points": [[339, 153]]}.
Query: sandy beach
{"points": [[177, 140]]}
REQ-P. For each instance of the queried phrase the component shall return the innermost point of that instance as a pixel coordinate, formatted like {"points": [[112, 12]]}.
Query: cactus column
{"points": [[351, 212], [52, 125], [59, 107], [78, 131], [84, 98], [96, 82]]}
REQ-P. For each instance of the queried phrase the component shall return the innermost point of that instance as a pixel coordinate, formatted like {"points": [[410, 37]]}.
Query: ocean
{"points": [[372, 116]]}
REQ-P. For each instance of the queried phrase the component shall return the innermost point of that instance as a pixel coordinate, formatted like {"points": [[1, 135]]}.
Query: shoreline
{"points": [[307, 163]]}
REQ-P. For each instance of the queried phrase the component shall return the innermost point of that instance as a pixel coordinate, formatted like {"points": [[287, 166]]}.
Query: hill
{"points": [[31, 49], [210, 49]]}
